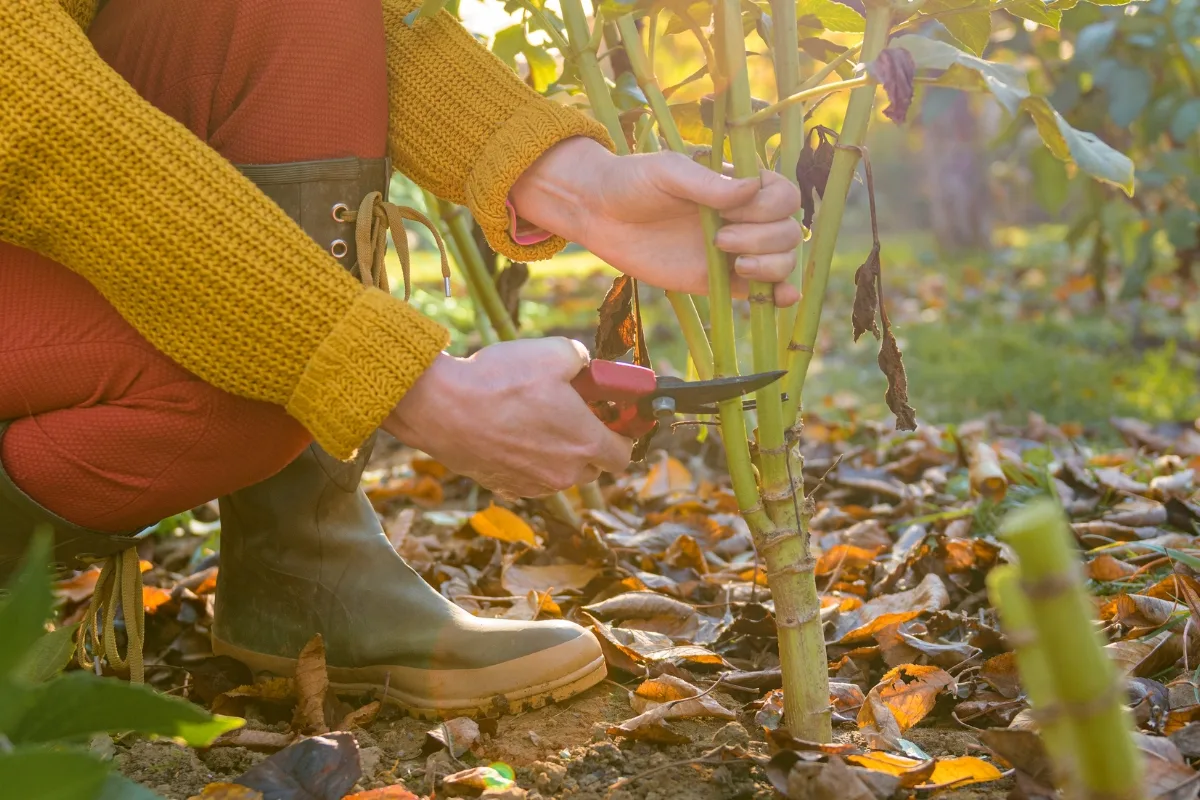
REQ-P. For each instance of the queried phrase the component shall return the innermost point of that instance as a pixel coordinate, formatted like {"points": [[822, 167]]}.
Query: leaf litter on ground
{"points": [[903, 530]]}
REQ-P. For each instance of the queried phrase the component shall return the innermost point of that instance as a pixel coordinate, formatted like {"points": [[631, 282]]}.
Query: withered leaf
{"points": [[866, 296], [812, 169], [910, 771], [640, 605], [361, 717], [457, 735], [323, 766], [616, 333], [678, 698], [929, 595], [276, 690], [519, 580], [1140, 611], [474, 782], [650, 726], [900, 700], [891, 362], [227, 791], [312, 685], [895, 68], [771, 714], [985, 474], [258, 741]]}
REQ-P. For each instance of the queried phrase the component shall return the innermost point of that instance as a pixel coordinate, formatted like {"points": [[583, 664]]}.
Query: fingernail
{"points": [[745, 264]]}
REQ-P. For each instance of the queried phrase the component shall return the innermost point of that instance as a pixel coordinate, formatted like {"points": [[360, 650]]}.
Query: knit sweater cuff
{"points": [[511, 150], [377, 351]]}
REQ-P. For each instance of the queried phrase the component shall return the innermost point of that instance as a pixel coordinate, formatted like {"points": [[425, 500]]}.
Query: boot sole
{"points": [[348, 681]]}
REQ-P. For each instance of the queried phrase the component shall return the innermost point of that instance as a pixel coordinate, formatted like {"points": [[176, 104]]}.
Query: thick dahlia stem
{"points": [[829, 216], [784, 546], [1016, 615], [1086, 685], [786, 56]]}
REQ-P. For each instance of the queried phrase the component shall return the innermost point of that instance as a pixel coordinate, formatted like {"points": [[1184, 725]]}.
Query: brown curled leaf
{"points": [[616, 333], [895, 69], [891, 362], [866, 296], [812, 170]]}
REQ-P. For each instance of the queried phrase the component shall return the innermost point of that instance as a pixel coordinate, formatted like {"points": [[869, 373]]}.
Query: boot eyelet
{"points": [[339, 248], [339, 211]]}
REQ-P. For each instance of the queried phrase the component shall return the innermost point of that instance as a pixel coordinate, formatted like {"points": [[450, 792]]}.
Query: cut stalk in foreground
{"points": [[1004, 590], [1085, 682]]}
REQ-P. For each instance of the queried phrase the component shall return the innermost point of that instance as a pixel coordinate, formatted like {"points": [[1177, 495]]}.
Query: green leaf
{"points": [[830, 16], [1186, 120], [1007, 84], [1128, 91], [1110, 2], [1050, 183], [48, 656], [508, 42], [1180, 224], [690, 123], [1036, 11], [972, 29], [699, 13], [1093, 41], [51, 774], [79, 703], [1086, 149], [428, 9], [542, 67], [118, 787], [23, 615]]}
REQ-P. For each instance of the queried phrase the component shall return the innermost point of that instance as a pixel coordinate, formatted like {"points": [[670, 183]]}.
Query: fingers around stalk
{"points": [[679, 176], [777, 199], [769, 268], [781, 236]]}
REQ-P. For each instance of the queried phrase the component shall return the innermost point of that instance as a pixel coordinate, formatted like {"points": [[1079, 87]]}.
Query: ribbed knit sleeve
{"points": [[464, 126], [200, 262]]}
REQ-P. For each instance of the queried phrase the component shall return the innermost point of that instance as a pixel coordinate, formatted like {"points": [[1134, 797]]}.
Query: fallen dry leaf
{"points": [[678, 698], [361, 717], [667, 476], [1106, 568], [498, 522], [519, 580], [650, 726], [901, 699], [312, 686], [910, 771], [457, 735], [274, 690], [259, 741], [960, 771], [227, 791], [929, 595], [396, 792], [986, 475]]}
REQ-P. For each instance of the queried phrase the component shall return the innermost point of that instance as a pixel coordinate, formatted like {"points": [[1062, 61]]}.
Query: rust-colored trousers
{"points": [[108, 432]]}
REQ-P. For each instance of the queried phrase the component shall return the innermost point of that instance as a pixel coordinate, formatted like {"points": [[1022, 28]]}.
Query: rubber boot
{"points": [[74, 547], [303, 553]]}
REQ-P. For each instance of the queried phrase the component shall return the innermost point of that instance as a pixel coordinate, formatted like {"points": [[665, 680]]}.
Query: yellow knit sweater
{"points": [[208, 269]]}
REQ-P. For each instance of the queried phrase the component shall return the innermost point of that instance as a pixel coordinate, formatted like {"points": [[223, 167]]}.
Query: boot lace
{"points": [[375, 216], [119, 584]]}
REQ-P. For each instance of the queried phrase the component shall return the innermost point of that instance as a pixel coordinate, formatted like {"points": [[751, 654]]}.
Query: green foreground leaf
{"points": [[78, 704], [51, 774], [23, 615], [48, 657]]}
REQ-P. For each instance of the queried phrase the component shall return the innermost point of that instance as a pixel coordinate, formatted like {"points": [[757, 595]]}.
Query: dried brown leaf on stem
{"points": [[896, 70], [616, 333], [812, 169], [866, 296]]}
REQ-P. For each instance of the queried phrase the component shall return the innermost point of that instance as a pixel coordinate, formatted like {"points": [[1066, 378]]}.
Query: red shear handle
{"points": [[613, 389]]}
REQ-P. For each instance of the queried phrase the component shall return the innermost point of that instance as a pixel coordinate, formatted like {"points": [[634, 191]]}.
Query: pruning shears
{"points": [[630, 399]]}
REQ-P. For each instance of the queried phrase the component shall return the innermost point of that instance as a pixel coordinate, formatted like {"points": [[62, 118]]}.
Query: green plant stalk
{"points": [[605, 111], [482, 324], [1085, 682], [785, 547], [796, 99], [1016, 615], [454, 221], [786, 57], [829, 218], [482, 285]]}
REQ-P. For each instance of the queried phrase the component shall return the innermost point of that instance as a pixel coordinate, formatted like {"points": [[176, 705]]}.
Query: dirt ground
{"points": [[557, 751]]}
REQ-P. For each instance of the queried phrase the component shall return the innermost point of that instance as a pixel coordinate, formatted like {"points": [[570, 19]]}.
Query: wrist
{"points": [[555, 191], [408, 422]]}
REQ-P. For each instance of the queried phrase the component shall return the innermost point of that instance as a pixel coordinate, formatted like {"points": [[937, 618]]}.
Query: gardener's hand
{"points": [[641, 214], [509, 418]]}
